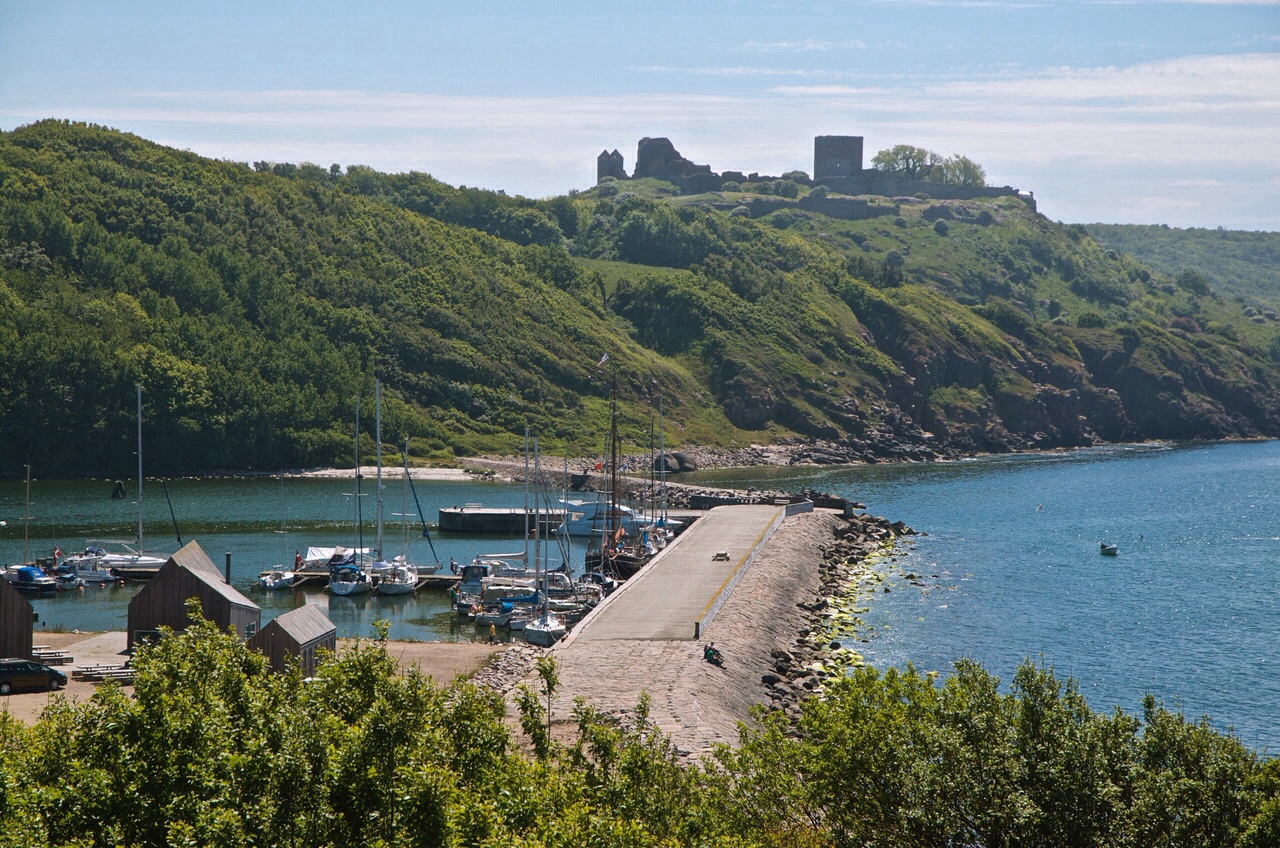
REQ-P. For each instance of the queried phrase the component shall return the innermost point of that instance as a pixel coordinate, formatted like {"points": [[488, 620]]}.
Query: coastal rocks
{"points": [[850, 565], [506, 668], [675, 463]]}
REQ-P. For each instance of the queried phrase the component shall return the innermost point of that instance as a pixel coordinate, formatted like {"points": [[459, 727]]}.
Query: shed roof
{"points": [[306, 624], [193, 558]]}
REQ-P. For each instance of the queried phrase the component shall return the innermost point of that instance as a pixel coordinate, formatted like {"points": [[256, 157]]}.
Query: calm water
{"points": [[244, 517], [1188, 611]]}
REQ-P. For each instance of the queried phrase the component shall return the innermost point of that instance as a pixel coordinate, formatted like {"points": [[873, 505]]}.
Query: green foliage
{"points": [[1232, 262], [908, 162], [213, 749]]}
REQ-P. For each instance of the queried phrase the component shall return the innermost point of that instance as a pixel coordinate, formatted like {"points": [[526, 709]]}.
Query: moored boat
{"points": [[399, 579], [349, 579], [278, 578], [30, 579]]}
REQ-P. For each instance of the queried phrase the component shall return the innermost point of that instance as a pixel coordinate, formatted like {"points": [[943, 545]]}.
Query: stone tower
{"points": [[610, 165], [836, 156]]}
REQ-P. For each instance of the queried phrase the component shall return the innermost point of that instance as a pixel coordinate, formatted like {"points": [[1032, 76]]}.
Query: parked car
{"points": [[16, 674]]}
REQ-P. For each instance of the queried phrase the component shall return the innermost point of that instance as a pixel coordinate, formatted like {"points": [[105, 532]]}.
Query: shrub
{"points": [[607, 189], [940, 227], [740, 212], [730, 185], [786, 188], [820, 191], [1090, 319]]}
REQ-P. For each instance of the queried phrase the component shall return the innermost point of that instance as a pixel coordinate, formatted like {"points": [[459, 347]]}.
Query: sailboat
{"points": [[281, 576], [132, 563], [545, 628], [612, 550], [346, 576]]}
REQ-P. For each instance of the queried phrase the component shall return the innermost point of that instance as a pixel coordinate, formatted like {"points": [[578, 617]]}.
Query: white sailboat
{"points": [[347, 576], [544, 628], [281, 576], [132, 563], [399, 576]]}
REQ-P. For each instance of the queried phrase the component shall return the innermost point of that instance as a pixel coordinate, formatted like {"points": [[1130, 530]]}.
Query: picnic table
{"points": [[98, 673]]}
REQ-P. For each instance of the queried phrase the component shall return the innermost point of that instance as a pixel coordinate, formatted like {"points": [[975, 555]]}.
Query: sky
{"points": [[1111, 112]]}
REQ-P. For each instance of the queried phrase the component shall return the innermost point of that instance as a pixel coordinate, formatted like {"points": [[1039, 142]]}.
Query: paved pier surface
{"points": [[695, 703], [678, 587]]}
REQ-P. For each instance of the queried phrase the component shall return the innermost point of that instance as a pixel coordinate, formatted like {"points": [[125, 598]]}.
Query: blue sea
{"points": [[1010, 569], [1009, 561]]}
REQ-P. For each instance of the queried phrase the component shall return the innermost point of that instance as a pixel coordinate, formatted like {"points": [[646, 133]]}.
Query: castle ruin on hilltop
{"points": [[837, 164]]}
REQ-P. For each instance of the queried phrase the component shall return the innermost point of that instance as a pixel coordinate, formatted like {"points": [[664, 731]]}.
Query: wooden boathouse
{"points": [[189, 573], [300, 634], [16, 619]]}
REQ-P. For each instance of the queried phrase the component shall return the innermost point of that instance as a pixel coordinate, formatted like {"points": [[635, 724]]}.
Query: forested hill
{"points": [[1240, 264], [255, 304]]}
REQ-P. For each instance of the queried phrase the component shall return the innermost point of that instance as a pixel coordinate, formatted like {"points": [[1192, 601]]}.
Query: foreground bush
{"points": [[213, 750]]}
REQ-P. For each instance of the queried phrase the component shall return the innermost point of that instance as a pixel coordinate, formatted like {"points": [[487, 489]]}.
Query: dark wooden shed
{"points": [[299, 634], [189, 573], [16, 619]]}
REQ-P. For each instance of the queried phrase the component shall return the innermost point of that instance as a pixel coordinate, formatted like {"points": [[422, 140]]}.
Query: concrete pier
{"points": [[619, 652]]}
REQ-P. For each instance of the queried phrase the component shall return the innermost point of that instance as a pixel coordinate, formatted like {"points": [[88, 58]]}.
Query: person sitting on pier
{"points": [[712, 655]]}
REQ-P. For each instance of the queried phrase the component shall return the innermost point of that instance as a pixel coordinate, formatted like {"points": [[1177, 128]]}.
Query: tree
{"points": [[906, 162], [963, 171], [916, 163]]}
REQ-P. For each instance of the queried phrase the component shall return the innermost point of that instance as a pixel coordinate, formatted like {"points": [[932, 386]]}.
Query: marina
{"points": [[245, 529]]}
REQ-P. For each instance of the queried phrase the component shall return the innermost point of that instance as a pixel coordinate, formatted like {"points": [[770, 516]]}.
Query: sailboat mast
{"points": [[140, 545], [359, 529], [26, 519], [538, 580], [377, 429], [613, 463], [526, 496], [662, 459]]}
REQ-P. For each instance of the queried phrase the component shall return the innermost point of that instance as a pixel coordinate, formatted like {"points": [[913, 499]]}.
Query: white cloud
{"points": [[1162, 141], [808, 45]]}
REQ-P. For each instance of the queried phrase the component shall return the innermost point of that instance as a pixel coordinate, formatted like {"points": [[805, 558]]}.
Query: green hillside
{"points": [[1244, 266], [255, 303]]}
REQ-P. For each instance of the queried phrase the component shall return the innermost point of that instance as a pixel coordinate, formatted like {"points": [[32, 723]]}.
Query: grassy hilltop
{"points": [[254, 303]]}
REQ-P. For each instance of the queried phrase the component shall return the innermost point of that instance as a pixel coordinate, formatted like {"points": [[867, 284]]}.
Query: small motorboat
{"points": [[1109, 550]]}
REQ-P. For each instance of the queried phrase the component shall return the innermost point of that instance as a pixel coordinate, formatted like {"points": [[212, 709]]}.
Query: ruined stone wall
{"points": [[876, 182]]}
